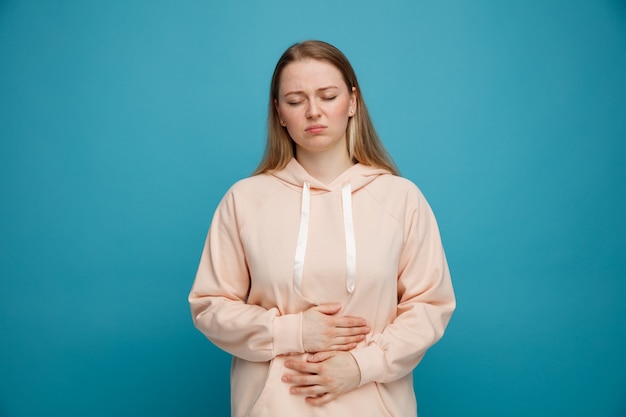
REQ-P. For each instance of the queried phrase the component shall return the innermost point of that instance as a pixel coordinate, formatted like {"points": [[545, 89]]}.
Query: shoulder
{"points": [[398, 196], [255, 185], [251, 192], [245, 198], [400, 183], [393, 187]]}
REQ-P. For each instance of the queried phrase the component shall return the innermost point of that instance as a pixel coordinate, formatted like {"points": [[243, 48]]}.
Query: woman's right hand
{"points": [[323, 330]]}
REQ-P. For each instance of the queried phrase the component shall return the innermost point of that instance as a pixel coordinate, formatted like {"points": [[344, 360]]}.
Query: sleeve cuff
{"points": [[371, 361], [288, 334]]}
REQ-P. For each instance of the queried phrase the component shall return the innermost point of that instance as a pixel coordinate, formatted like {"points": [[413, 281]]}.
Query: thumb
{"points": [[319, 357], [329, 309]]}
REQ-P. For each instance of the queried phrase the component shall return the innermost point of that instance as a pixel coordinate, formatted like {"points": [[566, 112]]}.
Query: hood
{"points": [[355, 177]]}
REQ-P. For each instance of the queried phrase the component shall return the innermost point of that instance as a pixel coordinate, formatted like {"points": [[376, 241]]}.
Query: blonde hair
{"points": [[364, 145]]}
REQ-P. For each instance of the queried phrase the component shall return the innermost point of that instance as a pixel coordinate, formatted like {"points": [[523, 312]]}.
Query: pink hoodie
{"points": [[282, 242]]}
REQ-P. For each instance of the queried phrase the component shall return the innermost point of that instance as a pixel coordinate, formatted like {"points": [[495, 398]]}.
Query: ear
{"points": [[353, 101]]}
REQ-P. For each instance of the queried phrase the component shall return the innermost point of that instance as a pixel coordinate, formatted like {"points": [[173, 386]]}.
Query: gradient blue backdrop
{"points": [[122, 124]]}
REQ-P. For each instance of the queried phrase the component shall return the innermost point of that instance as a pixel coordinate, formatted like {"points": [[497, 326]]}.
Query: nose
{"points": [[313, 110]]}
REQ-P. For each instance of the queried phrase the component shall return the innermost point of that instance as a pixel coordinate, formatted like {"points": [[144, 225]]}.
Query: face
{"points": [[314, 104]]}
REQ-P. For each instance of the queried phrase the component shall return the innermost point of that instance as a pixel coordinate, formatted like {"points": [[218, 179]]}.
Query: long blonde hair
{"points": [[364, 145]]}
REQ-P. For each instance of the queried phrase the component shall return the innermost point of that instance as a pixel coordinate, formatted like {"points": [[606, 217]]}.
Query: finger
{"points": [[308, 391], [329, 309], [320, 399], [319, 357], [342, 348], [346, 331], [349, 321], [302, 380], [342, 336], [309, 368], [346, 340], [354, 332]]}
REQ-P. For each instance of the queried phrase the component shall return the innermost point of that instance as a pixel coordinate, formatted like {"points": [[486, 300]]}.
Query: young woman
{"points": [[323, 274]]}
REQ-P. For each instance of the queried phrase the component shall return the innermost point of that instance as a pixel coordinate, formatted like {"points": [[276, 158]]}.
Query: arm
{"points": [[251, 332], [218, 297], [425, 301]]}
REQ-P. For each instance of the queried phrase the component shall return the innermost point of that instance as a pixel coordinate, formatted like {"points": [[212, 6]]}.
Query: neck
{"points": [[324, 167]]}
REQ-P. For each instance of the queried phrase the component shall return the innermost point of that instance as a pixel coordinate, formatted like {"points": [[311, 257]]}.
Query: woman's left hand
{"points": [[325, 376]]}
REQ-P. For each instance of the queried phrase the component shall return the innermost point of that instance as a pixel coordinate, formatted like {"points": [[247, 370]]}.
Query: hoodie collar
{"points": [[357, 176]]}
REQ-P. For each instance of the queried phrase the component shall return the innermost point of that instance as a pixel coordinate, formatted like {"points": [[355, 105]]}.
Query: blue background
{"points": [[122, 124]]}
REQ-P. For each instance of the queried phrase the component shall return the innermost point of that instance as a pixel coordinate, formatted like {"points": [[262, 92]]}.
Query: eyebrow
{"points": [[318, 90]]}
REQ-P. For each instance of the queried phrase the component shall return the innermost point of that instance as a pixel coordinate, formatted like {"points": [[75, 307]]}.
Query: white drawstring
{"points": [[302, 238], [348, 224]]}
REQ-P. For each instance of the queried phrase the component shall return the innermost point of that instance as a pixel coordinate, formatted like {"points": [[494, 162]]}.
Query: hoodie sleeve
{"points": [[425, 301], [218, 297]]}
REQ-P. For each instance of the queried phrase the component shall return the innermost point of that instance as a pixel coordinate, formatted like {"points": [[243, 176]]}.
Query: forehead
{"points": [[310, 74]]}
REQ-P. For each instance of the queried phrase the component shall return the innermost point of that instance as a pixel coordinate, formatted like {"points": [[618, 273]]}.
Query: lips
{"points": [[315, 129]]}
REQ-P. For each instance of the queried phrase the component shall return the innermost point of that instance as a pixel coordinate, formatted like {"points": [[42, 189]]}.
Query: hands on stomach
{"points": [[331, 370]]}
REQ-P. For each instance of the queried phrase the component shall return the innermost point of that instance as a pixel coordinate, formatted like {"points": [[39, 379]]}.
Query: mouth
{"points": [[315, 129]]}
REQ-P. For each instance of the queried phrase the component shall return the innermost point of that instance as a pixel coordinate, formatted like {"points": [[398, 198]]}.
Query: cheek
{"points": [[342, 108], [341, 112], [288, 115]]}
